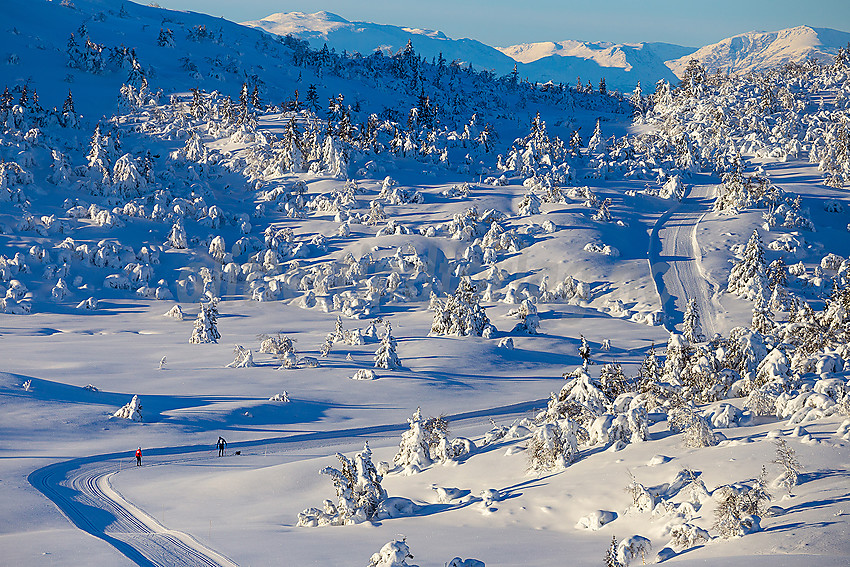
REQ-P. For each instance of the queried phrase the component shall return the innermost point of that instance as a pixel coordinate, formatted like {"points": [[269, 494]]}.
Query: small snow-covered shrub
{"points": [[175, 312], [685, 536], [633, 548], [786, 458], [364, 374], [552, 446], [418, 446], [696, 430], [461, 314], [724, 416], [131, 411], [90, 304], [392, 554], [242, 357], [281, 397]]}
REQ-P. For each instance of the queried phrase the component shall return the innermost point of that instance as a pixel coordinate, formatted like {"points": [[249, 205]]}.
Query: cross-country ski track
{"points": [[674, 259], [82, 490]]}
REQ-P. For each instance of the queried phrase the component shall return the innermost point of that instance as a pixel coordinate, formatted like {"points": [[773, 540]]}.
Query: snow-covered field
{"points": [[448, 314]]}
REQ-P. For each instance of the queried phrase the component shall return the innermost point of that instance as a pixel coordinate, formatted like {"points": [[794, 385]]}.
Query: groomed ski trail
{"points": [[82, 490], [675, 262]]}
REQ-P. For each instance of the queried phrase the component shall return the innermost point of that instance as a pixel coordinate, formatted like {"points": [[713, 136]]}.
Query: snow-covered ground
{"points": [[544, 272]]}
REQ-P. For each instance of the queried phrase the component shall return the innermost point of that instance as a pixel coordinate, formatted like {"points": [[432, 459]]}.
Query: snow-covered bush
{"points": [[553, 446], [633, 548], [696, 430], [426, 440], [392, 554], [242, 357], [175, 312], [364, 374], [529, 320]]}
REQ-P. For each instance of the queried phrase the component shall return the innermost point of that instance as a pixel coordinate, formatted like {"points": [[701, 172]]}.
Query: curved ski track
{"points": [[82, 491], [675, 262]]}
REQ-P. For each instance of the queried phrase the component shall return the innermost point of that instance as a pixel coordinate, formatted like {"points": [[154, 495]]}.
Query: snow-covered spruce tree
{"points": [[392, 554], [358, 490], [746, 275], [696, 430], [611, 553], [691, 328], [612, 381], [579, 400], [385, 356], [177, 237], [786, 457], [131, 411], [553, 446], [460, 314], [206, 329], [414, 450], [584, 353], [678, 355]]}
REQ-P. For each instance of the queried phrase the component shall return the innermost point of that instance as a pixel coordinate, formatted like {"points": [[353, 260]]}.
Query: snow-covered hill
{"points": [[756, 50], [621, 65], [245, 238], [365, 38]]}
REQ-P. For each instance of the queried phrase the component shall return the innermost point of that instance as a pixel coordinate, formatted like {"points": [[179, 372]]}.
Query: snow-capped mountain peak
{"points": [[757, 50]]}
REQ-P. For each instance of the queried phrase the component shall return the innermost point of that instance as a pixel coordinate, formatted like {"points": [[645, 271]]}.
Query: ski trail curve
{"points": [[675, 262], [82, 491]]}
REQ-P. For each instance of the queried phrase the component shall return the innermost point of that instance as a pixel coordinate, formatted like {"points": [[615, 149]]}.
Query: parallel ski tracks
{"points": [[82, 491]]}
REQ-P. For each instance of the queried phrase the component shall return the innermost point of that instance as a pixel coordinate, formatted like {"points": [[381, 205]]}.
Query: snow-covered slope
{"points": [[497, 253], [756, 50], [365, 38]]}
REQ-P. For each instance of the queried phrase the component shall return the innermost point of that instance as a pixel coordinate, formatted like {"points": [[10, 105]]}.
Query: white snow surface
{"points": [[69, 483]]}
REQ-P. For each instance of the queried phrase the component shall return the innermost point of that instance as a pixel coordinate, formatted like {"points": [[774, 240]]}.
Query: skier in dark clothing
{"points": [[221, 443], [139, 457]]}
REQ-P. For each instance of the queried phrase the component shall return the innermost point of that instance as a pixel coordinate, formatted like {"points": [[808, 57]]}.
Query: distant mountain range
{"points": [[622, 65]]}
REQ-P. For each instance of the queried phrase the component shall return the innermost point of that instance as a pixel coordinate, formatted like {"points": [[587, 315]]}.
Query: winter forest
{"points": [[441, 315]]}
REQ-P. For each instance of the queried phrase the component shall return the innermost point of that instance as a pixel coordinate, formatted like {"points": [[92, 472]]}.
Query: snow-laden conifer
{"points": [[206, 328], [386, 356], [131, 411], [746, 275]]}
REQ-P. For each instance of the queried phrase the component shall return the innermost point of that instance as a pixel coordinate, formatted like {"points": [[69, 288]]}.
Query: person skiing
{"points": [[221, 443], [139, 457]]}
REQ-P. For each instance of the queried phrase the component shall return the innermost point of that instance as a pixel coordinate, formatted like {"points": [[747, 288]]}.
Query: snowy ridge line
{"points": [[79, 485]]}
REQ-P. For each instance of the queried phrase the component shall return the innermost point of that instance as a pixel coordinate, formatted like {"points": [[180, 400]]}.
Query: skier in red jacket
{"points": [[139, 457]]}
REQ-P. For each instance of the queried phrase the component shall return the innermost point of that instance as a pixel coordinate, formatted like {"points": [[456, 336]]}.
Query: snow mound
{"points": [[596, 520]]}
